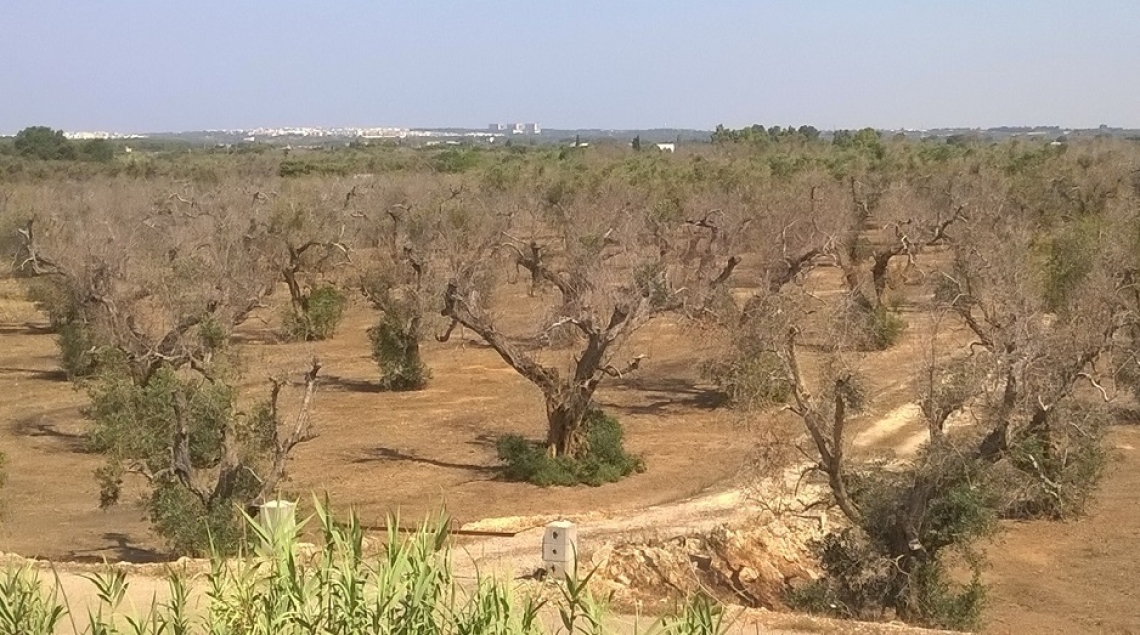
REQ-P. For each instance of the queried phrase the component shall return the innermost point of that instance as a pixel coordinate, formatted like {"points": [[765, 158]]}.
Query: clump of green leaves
{"points": [[79, 354], [603, 457], [749, 380], [874, 328], [397, 292], [396, 350], [78, 349], [319, 316], [53, 298], [1058, 465], [456, 161]]}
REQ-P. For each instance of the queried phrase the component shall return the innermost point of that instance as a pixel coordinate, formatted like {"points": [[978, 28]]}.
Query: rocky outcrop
{"points": [[750, 564]]}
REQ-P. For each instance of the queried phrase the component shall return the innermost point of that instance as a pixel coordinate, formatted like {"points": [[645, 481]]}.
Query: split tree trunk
{"points": [[564, 418]]}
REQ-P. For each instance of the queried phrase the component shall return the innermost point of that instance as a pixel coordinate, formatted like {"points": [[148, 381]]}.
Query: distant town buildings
{"points": [[367, 133], [515, 128], [80, 136]]}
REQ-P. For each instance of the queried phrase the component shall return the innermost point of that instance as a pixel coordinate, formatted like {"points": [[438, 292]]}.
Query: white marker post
{"points": [[278, 519], [560, 549]]}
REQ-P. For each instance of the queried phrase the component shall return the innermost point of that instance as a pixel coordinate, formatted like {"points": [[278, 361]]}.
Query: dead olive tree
{"points": [[785, 232], [1030, 443], [1037, 346], [300, 230], [594, 297], [398, 231], [886, 220], [138, 270]]}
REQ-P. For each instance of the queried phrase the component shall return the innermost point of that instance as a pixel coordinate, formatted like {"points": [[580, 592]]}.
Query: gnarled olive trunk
{"points": [[565, 413]]}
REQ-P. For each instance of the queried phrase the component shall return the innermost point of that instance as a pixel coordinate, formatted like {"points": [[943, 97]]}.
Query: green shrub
{"points": [[77, 346], [750, 374], [651, 283], [323, 311], [396, 350], [322, 166], [189, 527], [861, 582], [856, 582], [603, 458], [1059, 466], [52, 298], [455, 161], [749, 380], [954, 606], [78, 351], [875, 329], [44, 143]]}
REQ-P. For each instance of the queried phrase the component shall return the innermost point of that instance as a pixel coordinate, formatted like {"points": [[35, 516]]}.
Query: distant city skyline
{"points": [[134, 66]]}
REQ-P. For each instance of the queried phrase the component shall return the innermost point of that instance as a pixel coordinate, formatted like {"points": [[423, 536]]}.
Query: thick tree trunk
{"points": [[879, 266], [412, 334], [297, 297], [860, 283], [564, 417]]}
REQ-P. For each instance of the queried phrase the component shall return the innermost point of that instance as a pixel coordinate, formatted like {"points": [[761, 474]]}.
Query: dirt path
{"points": [[522, 553]]}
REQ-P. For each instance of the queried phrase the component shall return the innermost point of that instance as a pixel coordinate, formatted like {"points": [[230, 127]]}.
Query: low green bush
{"points": [[78, 351], [320, 317], [749, 379], [52, 298], [1057, 468], [396, 350], [189, 527], [603, 458], [875, 329]]}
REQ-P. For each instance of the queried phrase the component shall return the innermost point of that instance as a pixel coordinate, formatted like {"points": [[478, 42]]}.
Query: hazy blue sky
{"points": [[150, 65]]}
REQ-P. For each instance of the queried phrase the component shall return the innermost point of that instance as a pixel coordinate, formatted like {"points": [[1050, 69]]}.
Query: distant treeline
{"points": [[43, 143]]}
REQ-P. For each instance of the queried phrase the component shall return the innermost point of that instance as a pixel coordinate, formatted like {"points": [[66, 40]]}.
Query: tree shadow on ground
{"points": [[40, 426], [381, 453], [1124, 415], [258, 336], [348, 384], [121, 549], [46, 375], [485, 440], [664, 394], [27, 328]]}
